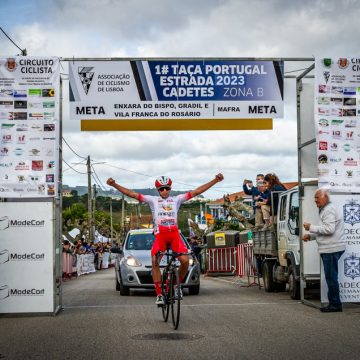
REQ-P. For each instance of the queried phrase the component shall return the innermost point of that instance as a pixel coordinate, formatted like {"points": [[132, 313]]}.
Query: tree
{"points": [[74, 212], [74, 193], [75, 217]]}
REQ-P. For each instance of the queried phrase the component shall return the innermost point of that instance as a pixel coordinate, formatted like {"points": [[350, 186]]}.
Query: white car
{"points": [[133, 264]]}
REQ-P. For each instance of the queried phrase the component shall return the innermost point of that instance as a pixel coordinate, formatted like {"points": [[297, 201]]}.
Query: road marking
{"points": [[246, 304], [232, 281], [182, 305]]}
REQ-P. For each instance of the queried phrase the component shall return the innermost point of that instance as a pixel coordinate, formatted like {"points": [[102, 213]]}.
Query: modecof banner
{"points": [[349, 263], [189, 91], [26, 257], [29, 123]]}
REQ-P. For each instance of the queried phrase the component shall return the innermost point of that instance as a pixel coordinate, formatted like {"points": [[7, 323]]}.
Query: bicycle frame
{"points": [[170, 285]]}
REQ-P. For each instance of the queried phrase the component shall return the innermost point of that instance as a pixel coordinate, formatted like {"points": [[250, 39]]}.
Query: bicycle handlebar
{"points": [[171, 254]]}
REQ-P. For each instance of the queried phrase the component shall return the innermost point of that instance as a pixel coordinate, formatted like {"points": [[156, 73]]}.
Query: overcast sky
{"points": [[196, 28]]}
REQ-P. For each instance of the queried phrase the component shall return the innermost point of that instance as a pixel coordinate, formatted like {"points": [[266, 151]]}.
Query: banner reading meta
{"points": [[176, 89], [337, 117], [29, 122]]}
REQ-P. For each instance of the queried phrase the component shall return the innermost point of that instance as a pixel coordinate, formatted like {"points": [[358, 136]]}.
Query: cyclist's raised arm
{"points": [[124, 190], [219, 177]]}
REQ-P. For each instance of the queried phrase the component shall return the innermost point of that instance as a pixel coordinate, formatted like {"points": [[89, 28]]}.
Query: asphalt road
{"points": [[226, 321]]}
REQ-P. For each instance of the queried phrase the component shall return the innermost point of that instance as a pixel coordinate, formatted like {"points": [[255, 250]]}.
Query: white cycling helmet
{"points": [[163, 181]]}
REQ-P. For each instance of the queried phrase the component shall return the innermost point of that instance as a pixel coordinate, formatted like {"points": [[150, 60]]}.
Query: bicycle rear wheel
{"points": [[175, 300], [165, 286]]}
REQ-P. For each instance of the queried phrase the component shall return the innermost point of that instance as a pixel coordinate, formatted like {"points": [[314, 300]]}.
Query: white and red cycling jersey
{"points": [[164, 211]]}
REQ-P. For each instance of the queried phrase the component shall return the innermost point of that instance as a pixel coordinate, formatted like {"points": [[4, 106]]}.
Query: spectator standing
{"points": [[87, 245], [256, 195], [329, 235], [192, 242], [68, 247], [99, 257], [195, 246], [262, 209], [273, 184]]}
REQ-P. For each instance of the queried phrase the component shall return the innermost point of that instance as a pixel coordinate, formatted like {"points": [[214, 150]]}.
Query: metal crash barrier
{"points": [[222, 260], [80, 264], [238, 260], [69, 266], [247, 266]]}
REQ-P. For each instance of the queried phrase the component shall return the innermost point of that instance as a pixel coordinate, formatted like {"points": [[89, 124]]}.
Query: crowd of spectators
{"points": [[265, 196], [82, 247]]}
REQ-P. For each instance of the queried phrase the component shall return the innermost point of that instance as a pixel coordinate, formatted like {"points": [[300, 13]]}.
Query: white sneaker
{"points": [[159, 300]]}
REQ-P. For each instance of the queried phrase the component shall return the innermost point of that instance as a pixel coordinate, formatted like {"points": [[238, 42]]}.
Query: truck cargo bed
{"points": [[265, 243]]}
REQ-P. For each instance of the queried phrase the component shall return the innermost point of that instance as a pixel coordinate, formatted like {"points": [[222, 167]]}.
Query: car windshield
{"points": [[140, 242], [143, 241]]}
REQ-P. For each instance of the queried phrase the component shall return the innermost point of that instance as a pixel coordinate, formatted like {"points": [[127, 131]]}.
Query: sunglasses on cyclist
{"points": [[167, 188]]}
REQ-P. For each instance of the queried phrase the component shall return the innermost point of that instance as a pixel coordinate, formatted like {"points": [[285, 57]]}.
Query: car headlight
{"points": [[131, 261]]}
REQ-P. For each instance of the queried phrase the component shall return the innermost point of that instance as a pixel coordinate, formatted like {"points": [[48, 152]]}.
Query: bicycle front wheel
{"points": [[174, 299], [165, 287]]}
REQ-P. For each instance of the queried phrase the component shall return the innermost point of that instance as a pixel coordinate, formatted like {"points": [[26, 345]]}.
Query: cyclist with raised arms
{"points": [[164, 209]]}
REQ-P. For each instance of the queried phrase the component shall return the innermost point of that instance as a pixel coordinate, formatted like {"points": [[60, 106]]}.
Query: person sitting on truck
{"points": [[273, 184], [262, 206], [257, 196], [329, 235]]}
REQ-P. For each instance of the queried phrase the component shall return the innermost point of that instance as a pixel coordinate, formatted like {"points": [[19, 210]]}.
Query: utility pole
{"points": [[123, 215], [89, 199], [111, 220], [94, 210]]}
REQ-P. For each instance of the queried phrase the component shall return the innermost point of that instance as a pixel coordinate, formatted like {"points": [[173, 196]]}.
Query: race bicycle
{"points": [[171, 287]]}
